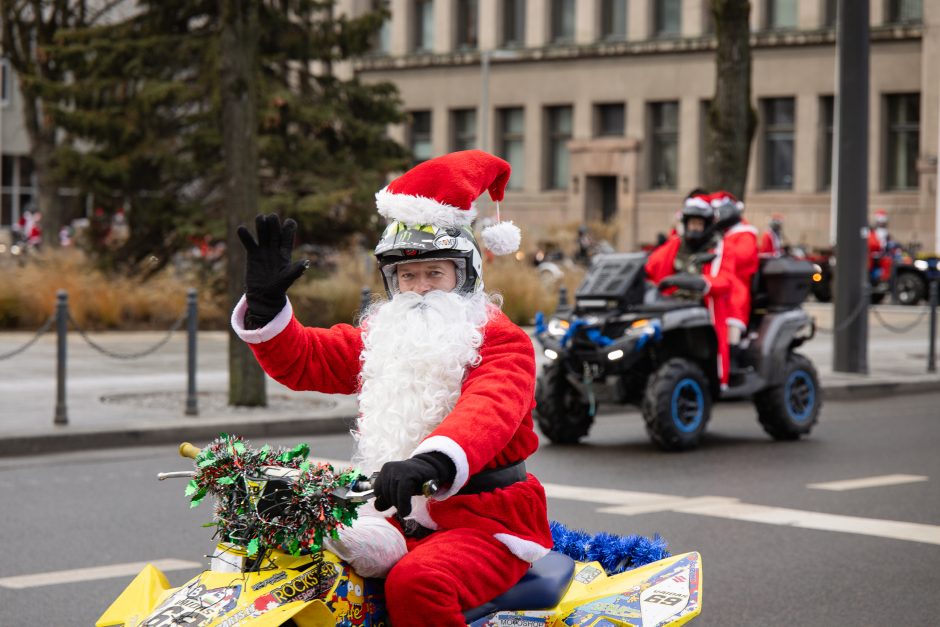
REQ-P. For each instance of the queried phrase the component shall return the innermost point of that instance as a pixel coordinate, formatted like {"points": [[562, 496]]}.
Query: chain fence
{"points": [[62, 318], [16, 351], [147, 351]]}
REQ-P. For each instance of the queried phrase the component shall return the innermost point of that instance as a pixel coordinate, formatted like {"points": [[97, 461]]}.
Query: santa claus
{"points": [[674, 266], [445, 384], [739, 246]]}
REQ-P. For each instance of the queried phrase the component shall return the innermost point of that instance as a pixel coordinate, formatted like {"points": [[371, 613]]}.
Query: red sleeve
{"points": [[492, 418], [309, 358], [659, 264], [742, 247], [766, 243]]}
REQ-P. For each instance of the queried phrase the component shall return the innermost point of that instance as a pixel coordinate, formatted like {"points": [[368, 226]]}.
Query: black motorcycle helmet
{"points": [[728, 210], [401, 243], [697, 207]]}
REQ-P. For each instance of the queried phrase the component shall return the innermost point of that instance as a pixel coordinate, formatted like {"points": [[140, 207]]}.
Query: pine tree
{"points": [[200, 114], [29, 27]]}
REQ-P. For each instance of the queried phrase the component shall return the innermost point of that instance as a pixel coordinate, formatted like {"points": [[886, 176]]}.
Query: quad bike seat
{"points": [[542, 587]]}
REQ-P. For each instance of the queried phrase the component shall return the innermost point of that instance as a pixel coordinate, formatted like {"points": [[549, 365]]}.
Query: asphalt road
{"points": [[817, 557]]}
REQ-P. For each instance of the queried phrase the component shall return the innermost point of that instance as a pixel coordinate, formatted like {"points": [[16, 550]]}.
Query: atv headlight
{"points": [[921, 264], [557, 327]]}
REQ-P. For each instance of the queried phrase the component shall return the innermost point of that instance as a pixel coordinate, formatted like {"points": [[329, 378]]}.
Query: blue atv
{"points": [[622, 336]]}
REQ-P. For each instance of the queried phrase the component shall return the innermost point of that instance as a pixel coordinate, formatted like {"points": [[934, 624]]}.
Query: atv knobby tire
{"points": [[789, 410], [563, 415], [677, 405]]}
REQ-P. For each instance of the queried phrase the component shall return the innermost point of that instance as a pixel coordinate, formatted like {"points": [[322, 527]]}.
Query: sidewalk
{"points": [[112, 402]]}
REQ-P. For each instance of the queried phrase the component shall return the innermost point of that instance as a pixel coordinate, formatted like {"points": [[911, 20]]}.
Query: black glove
{"points": [[684, 281], [399, 481], [269, 271]]}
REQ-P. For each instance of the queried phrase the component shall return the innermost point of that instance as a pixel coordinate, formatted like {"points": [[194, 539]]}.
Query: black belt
{"points": [[483, 481], [489, 480]]}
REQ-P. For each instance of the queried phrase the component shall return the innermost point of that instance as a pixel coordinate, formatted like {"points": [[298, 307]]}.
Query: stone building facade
{"points": [[599, 105]]}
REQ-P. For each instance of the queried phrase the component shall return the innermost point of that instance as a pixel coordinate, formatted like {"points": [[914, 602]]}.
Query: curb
{"points": [[852, 391], [71, 439], [67, 439]]}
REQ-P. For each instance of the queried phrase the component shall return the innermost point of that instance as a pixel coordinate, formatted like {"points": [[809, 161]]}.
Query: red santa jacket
{"points": [[722, 283], [740, 246], [770, 244], [490, 426]]}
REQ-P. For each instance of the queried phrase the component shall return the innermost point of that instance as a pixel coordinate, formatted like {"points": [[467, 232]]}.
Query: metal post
{"points": [[850, 346], [562, 297], [484, 100], [932, 330], [893, 279], [192, 323], [61, 329]]}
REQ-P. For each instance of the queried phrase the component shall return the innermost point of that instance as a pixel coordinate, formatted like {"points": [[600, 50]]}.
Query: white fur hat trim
{"points": [[415, 210]]}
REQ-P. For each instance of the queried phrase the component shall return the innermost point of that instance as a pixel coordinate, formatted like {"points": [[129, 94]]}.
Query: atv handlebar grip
{"points": [[188, 450]]}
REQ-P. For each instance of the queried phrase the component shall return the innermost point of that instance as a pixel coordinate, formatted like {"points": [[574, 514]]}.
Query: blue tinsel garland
{"points": [[615, 553]]}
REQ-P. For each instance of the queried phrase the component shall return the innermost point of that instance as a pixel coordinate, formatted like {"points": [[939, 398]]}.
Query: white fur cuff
{"points": [[525, 550], [442, 444], [265, 333]]}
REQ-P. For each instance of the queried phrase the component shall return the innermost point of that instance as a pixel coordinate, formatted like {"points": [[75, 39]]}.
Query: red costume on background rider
{"points": [[740, 248], [771, 240], [445, 384], [670, 266], [878, 240]]}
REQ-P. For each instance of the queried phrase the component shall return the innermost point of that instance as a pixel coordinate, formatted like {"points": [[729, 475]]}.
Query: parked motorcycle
{"points": [[274, 508]]}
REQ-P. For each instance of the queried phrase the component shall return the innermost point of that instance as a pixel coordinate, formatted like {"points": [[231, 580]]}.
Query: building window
{"points": [[463, 125], [562, 21], [903, 130], [513, 24], [383, 39], [664, 144], [827, 121], [510, 130], [467, 24], [5, 82], [609, 120], [829, 13], [667, 18], [423, 25], [18, 193], [781, 14], [905, 11], [613, 19], [779, 124], [558, 133], [419, 136]]}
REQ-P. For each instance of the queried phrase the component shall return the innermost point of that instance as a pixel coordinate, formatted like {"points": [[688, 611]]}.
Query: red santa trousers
{"points": [[446, 573]]}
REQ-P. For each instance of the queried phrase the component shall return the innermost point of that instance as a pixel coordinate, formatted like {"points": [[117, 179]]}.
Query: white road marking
{"points": [[867, 482], [90, 574], [629, 503]]}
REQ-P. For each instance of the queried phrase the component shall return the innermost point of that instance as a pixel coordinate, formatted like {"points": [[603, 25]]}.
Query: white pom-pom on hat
{"points": [[502, 238]]}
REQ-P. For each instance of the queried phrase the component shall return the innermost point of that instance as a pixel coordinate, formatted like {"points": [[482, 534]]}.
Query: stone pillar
{"points": [[587, 21], [444, 26], [806, 143], [401, 39], [639, 20], [536, 23], [490, 24]]}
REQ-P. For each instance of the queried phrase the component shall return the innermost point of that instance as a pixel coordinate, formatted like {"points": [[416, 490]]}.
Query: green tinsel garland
{"points": [[306, 511]]}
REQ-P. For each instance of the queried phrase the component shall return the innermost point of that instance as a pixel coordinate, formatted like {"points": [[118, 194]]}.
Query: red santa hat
{"points": [[442, 192]]}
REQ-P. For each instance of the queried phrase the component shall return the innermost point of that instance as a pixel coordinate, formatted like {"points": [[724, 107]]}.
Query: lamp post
{"points": [[485, 57]]}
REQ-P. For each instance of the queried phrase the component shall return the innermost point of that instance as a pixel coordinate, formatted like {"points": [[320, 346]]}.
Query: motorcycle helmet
{"points": [[776, 223], [401, 243], [697, 207], [881, 218], [728, 209]]}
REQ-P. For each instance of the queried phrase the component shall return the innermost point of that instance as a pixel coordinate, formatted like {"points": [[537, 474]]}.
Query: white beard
{"points": [[416, 353]]}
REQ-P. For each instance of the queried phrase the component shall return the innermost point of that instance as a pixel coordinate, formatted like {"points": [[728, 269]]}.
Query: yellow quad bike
{"points": [[271, 586]]}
